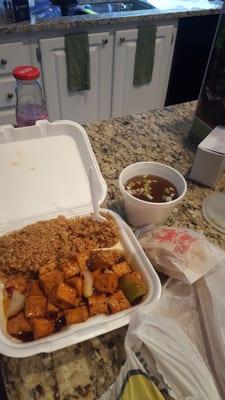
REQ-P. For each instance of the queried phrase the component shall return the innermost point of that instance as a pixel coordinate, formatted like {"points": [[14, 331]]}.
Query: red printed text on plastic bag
{"points": [[180, 241]]}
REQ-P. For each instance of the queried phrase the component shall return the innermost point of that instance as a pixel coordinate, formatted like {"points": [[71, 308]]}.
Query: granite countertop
{"points": [[160, 135], [80, 22], [86, 370]]}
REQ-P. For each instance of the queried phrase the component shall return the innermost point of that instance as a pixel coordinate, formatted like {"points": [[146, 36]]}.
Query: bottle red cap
{"points": [[26, 73]]}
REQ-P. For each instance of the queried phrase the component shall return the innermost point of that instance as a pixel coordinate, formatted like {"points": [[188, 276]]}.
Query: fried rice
{"points": [[27, 250]]}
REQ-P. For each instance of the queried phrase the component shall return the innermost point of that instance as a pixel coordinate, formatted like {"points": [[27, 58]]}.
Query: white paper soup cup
{"points": [[140, 212]]}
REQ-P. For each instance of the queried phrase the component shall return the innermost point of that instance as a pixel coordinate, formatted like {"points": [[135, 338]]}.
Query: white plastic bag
{"points": [[179, 303], [135, 382], [169, 344], [179, 252], [211, 295], [167, 351]]}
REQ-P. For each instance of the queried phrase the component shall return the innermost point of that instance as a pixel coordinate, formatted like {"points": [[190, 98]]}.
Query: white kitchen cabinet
{"points": [[7, 116], [112, 59], [128, 99], [11, 55], [81, 106], [7, 100]]}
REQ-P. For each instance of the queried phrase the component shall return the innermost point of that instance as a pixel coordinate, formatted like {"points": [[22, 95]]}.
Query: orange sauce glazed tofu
{"points": [[51, 310], [35, 306], [70, 268], [96, 272], [118, 302], [75, 315], [106, 283], [42, 327], [49, 267], [121, 269], [76, 282], [104, 259], [50, 279], [34, 289], [18, 324], [98, 304], [65, 294], [17, 282]]}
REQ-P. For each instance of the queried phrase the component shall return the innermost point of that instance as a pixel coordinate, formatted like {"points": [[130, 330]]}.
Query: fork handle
{"points": [[93, 196]]}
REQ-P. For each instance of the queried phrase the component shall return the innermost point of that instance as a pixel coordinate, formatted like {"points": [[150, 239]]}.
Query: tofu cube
{"points": [[76, 282], [52, 310], [65, 294], [75, 315], [49, 267], [50, 279], [34, 289], [118, 302], [98, 304], [121, 269], [17, 282], [77, 301], [64, 306], [70, 268], [104, 259], [42, 327], [35, 306], [18, 324], [96, 272], [106, 283]]}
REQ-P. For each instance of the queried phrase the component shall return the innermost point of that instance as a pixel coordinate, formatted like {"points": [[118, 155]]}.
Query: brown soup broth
{"points": [[151, 188]]}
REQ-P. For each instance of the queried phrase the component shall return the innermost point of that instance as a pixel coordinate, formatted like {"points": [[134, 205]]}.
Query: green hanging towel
{"points": [[144, 57], [77, 62]]}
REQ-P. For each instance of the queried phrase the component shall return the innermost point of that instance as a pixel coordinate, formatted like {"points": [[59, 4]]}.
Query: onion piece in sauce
{"points": [[15, 303], [88, 283]]}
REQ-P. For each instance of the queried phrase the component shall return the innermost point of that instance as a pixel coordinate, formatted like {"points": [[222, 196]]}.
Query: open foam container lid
{"points": [[44, 172]]}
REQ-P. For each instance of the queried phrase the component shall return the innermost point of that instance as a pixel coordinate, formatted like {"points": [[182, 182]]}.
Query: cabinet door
{"points": [[7, 100], [7, 116], [11, 55], [127, 98], [81, 106]]}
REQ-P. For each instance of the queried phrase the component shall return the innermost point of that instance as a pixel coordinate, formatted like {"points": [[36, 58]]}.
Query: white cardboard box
{"points": [[209, 162]]}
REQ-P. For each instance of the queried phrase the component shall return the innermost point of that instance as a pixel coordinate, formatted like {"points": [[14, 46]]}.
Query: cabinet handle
{"points": [[3, 61], [9, 96], [105, 41], [122, 39]]}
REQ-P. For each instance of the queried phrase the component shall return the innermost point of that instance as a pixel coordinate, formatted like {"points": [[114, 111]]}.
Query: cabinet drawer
{"points": [[7, 92], [13, 54]]}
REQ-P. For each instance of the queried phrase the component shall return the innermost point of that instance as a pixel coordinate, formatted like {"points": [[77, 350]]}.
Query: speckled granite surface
{"points": [[81, 22], [81, 372], [86, 370], [162, 136]]}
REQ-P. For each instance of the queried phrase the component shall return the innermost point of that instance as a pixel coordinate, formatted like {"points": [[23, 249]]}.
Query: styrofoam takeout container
{"points": [[140, 212], [44, 173]]}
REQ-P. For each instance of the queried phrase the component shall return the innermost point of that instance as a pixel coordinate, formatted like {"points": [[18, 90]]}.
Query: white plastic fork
{"points": [[96, 216]]}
